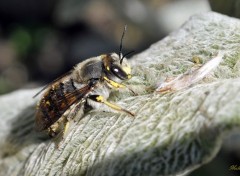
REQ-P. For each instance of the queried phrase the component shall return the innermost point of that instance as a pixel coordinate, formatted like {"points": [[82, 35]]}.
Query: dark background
{"points": [[40, 40]]}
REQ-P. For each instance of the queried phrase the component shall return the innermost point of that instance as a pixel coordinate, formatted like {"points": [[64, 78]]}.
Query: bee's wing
{"points": [[51, 83], [76, 95], [45, 118]]}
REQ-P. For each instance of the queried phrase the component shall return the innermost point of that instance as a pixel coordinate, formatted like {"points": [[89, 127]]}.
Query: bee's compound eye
{"points": [[116, 70]]}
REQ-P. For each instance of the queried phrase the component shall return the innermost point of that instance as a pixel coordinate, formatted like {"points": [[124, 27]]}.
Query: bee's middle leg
{"points": [[101, 99]]}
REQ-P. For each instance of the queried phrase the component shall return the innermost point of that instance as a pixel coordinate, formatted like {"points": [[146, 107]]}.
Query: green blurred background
{"points": [[40, 40]]}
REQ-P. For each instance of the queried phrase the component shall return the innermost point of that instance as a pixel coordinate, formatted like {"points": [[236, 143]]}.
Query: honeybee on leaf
{"points": [[89, 83]]}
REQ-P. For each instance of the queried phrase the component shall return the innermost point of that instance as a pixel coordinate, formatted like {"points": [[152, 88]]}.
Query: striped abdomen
{"points": [[58, 98]]}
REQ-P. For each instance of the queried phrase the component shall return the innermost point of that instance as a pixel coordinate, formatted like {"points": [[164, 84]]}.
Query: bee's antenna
{"points": [[120, 49], [130, 52]]}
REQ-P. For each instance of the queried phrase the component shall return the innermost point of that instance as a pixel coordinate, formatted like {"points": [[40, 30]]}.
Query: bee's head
{"points": [[115, 65]]}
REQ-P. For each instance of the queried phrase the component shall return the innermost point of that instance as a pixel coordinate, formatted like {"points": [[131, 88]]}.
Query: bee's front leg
{"points": [[117, 85], [101, 99]]}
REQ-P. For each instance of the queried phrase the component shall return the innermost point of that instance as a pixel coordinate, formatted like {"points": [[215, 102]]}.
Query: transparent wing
{"points": [[54, 81]]}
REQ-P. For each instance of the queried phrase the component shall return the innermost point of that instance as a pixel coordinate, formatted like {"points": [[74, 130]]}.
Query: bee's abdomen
{"points": [[54, 104]]}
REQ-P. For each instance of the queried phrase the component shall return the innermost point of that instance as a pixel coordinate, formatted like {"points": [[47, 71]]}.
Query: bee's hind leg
{"points": [[76, 111], [73, 112], [51, 132], [65, 129], [58, 130]]}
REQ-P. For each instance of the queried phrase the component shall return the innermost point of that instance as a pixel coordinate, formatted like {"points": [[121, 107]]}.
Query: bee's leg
{"points": [[76, 110], [56, 128], [70, 116], [51, 132], [117, 85], [63, 125], [113, 83], [65, 129], [101, 99]]}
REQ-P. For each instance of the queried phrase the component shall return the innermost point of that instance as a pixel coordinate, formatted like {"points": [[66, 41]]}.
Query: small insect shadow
{"points": [[22, 133]]}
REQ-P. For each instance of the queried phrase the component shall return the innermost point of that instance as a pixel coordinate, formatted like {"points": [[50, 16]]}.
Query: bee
{"points": [[89, 83]]}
